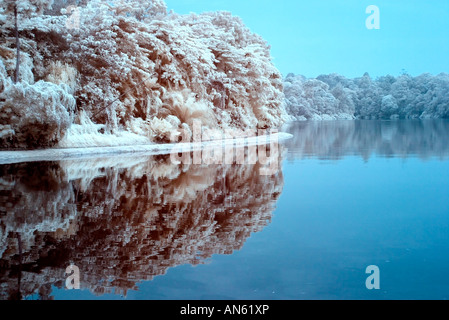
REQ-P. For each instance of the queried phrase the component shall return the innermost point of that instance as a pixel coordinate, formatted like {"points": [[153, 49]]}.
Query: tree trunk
{"points": [[16, 75]]}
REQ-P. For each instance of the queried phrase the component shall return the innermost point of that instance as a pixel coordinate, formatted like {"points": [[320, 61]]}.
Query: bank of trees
{"points": [[129, 66], [334, 96]]}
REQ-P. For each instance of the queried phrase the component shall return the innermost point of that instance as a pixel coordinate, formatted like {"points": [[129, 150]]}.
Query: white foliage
{"points": [[132, 67], [38, 114], [26, 64], [5, 82], [336, 97], [208, 67], [63, 74], [27, 8], [389, 106], [312, 99], [85, 133]]}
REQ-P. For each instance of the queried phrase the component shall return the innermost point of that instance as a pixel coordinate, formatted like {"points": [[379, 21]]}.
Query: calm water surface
{"points": [[348, 195]]}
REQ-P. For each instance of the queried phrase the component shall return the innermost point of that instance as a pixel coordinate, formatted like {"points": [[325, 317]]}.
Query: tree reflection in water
{"points": [[122, 220], [333, 140]]}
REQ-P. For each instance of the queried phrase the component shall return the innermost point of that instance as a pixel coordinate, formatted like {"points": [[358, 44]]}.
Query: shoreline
{"points": [[19, 156]]}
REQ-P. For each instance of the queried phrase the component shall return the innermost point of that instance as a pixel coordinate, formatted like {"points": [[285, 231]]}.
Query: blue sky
{"points": [[326, 36]]}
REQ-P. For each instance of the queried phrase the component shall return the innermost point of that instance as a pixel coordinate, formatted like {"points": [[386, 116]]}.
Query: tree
{"points": [[387, 97], [345, 98], [142, 10], [137, 62], [26, 8], [389, 107], [16, 32]]}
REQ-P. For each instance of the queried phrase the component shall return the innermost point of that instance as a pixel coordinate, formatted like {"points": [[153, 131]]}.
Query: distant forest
{"points": [[335, 97]]}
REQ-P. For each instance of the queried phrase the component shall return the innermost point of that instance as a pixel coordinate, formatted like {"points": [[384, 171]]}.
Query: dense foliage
{"points": [[333, 96], [135, 69]]}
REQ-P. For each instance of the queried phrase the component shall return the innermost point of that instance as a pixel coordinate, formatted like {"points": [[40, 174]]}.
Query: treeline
{"points": [[335, 97], [129, 68]]}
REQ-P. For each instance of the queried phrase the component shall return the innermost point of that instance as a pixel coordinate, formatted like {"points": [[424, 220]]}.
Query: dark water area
{"points": [[347, 195]]}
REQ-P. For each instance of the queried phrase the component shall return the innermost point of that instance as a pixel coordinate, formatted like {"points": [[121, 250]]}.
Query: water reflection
{"points": [[122, 220], [335, 139]]}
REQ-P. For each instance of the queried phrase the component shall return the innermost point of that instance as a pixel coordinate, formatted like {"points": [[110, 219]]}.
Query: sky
{"points": [[316, 37]]}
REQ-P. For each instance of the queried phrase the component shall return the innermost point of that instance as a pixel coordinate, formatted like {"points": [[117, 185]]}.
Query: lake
{"points": [[347, 195]]}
